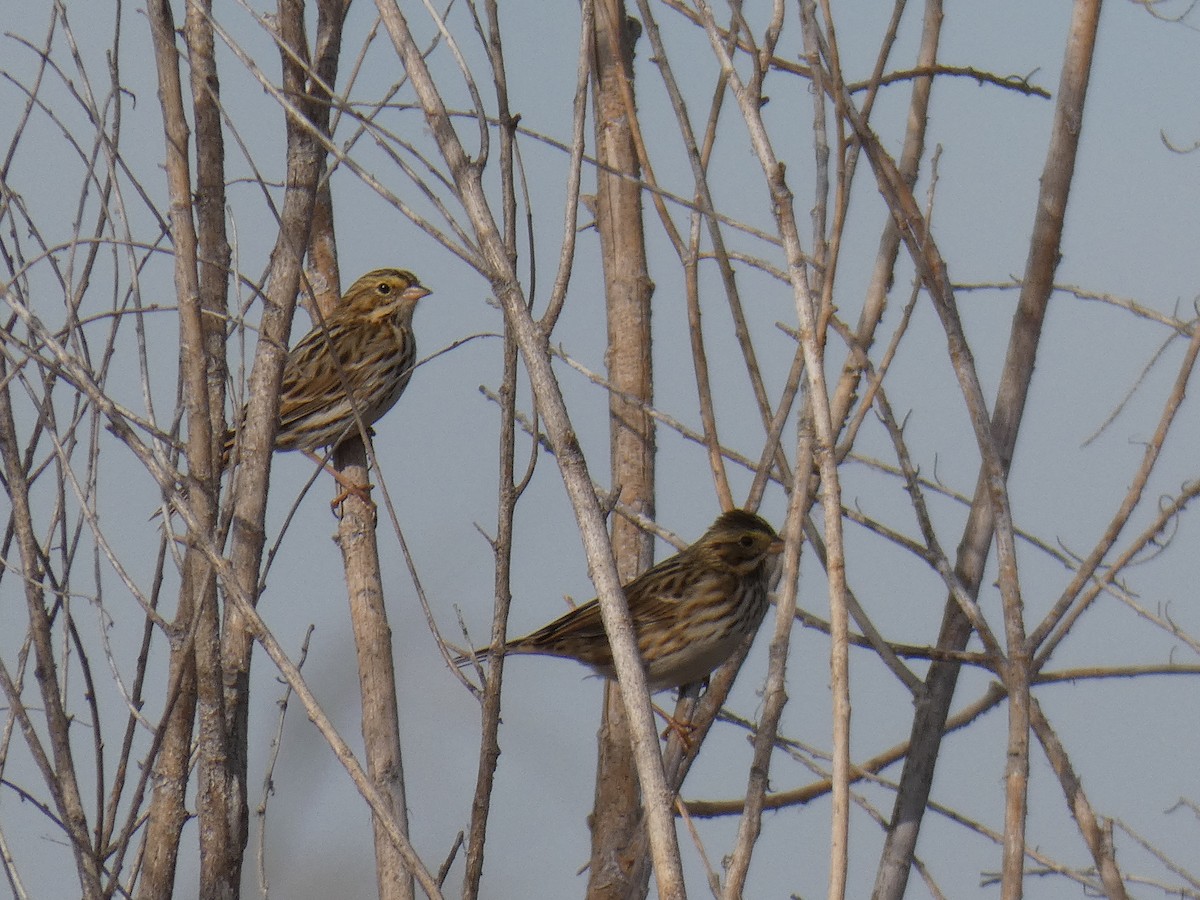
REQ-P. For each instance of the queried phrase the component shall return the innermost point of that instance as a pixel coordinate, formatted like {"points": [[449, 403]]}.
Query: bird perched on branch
{"points": [[367, 345], [690, 612]]}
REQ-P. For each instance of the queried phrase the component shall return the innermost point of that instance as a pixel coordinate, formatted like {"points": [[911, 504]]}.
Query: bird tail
{"points": [[475, 656]]}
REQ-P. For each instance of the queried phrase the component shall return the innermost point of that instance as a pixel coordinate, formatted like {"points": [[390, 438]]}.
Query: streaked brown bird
{"points": [[367, 341], [690, 612]]}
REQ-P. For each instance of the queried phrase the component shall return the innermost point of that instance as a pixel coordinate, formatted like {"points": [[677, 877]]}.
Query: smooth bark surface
{"points": [[615, 812]]}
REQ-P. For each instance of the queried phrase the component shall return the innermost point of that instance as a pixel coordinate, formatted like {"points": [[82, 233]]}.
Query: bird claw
{"points": [[361, 491], [684, 730]]}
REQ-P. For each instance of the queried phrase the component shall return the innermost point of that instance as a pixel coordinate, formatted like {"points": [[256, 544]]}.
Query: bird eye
{"points": [[384, 288], [746, 541]]}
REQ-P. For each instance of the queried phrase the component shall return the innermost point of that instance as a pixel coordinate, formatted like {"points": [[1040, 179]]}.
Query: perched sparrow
{"points": [[370, 335], [366, 344], [689, 612]]}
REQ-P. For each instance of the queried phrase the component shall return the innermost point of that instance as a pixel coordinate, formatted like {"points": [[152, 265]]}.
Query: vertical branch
{"points": [[1044, 252], [627, 288], [1016, 774], [253, 624], [775, 695], [201, 284], [59, 770], [909, 163], [508, 491], [323, 271], [698, 157], [811, 340], [256, 434], [167, 804], [631, 430], [572, 465], [489, 747], [1077, 801], [213, 253], [377, 674], [357, 539], [356, 534], [917, 777]]}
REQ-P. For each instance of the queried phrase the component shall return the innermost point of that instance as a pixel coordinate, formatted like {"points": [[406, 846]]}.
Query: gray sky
{"points": [[1131, 231]]}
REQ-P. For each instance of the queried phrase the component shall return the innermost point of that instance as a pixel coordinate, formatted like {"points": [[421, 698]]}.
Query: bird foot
{"points": [[684, 730], [352, 489]]}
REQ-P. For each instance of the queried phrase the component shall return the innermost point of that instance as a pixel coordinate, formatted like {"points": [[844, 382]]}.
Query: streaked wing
{"points": [[655, 595], [310, 379], [583, 623]]}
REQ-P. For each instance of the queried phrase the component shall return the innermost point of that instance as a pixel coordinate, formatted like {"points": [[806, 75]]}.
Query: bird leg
{"points": [[349, 488], [685, 730]]}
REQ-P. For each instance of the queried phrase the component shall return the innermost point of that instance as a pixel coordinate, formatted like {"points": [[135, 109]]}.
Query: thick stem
{"points": [[614, 819], [571, 462], [932, 710], [201, 283], [376, 672], [256, 434], [198, 590]]}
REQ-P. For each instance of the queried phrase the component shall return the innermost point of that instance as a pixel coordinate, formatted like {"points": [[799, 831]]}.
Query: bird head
{"points": [[740, 541], [383, 294]]}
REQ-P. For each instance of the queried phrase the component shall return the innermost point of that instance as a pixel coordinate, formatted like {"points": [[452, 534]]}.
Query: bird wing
{"points": [[310, 380], [655, 595], [581, 623]]}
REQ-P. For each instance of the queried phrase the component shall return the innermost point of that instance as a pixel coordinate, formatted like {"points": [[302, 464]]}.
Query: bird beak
{"points": [[415, 293], [776, 546]]}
